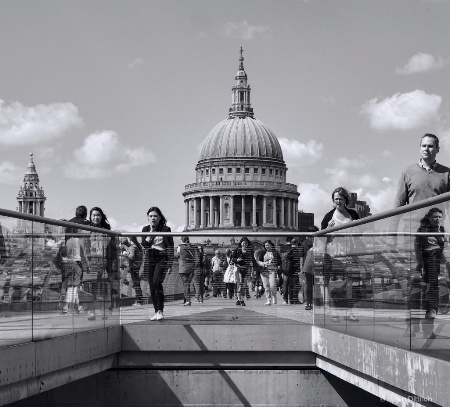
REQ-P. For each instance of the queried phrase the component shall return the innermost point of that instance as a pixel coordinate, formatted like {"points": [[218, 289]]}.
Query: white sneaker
{"points": [[274, 300], [268, 302], [285, 303], [159, 315], [154, 317]]}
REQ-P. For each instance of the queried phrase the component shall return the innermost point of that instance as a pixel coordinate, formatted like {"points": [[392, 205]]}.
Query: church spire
{"points": [[31, 196], [241, 106]]}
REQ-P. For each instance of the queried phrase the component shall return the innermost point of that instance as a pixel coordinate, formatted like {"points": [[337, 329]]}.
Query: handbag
{"points": [[230, 275]]}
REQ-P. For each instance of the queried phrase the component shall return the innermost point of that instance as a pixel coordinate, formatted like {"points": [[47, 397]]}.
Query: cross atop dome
{"points": [[241, 60], [241, 106]]}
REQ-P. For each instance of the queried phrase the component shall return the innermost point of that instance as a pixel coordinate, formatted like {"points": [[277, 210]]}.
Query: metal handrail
{"points": [[217, 233], [389, 213]]}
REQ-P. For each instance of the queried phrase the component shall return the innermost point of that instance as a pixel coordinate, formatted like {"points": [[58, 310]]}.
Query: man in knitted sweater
{"points": [[424, 179]]}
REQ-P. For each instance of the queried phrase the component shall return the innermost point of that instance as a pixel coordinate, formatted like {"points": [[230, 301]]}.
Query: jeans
{"points": [[199, 284], [269, 279], [136, 284], [431, 268], [156, 270], [288, 288], [186, 278]]}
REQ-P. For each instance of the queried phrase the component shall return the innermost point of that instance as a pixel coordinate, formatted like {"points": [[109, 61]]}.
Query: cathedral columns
{"points": [[211, 212], [221, 210], [264, 220], [274, 211], [254, 211], [289, 213], [296, 214], [202, 212], [282, 212], [186, 215], [195, 212], [243, 211], [232, 210]]}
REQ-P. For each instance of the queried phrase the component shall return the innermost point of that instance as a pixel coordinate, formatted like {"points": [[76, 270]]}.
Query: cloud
{"points": [[386, 179], [136, 63], [297, 154], [10, 173], [23, 125], [444, 139], [103, 155], [421, 62], [245, 31], [314, 199], [381, 200], [387, 154], [402, 111], [348, 172]]}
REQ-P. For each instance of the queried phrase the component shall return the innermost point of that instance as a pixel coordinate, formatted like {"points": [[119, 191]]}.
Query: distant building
{"points": [[305, 220], [241, 174], [359, 206], [31, 198]]}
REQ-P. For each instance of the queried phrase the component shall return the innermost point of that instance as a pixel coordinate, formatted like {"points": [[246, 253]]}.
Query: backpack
{"points": [[286, 262], [189, 258]]}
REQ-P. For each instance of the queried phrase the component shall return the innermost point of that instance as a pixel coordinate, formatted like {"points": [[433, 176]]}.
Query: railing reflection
{"points": [[367, 280]]}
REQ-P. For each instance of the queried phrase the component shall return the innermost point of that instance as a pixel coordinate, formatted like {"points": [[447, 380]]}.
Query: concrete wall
{"points": [[126, 388]]}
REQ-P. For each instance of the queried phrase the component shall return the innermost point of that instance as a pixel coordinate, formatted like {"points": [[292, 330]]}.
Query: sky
{"points": [[114, 98]]}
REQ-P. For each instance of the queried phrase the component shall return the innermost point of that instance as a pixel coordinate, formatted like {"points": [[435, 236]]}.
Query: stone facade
{"points": [[241, 175], [31, 198]]}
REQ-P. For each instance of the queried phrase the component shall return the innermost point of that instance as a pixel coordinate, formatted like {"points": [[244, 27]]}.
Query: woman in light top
{"points": [[338, 247], [270, 265]]}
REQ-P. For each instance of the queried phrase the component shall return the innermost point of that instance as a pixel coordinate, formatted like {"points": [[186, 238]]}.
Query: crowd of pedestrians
{"points": [[250, 269]]}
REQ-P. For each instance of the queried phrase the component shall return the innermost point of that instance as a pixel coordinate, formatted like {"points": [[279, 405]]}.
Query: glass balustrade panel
{"points": [[16, 281]]}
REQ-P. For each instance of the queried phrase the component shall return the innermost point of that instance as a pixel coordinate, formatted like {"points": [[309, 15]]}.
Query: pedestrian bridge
{"points": [[367, 339]]}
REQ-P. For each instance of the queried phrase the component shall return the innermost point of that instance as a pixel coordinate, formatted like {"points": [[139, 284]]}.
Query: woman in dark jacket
{"points": [[340, 215], [243, 258], [102, 254], [158, 258]]}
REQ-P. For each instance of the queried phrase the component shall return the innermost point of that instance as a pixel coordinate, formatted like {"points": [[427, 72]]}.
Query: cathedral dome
{"points": [[241, 137]]}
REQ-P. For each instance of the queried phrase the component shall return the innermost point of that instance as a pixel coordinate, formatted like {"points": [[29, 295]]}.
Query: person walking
{"points": [[103, 259], [270, 271], [243, 258], [158, 258], [188, 262]]}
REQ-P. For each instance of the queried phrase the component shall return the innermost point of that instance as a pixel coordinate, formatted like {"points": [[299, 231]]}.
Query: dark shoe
{"points": [[243, 303], [206, 295], [308, 307], [238, 302]]}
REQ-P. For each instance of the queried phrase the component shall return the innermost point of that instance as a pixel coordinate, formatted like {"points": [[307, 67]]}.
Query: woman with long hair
{"points": [[243, 258], [158, 258], [270, 270], [428, 250], [103, 259]]}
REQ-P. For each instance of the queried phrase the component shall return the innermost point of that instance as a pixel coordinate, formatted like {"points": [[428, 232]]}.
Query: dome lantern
{"points": [[241, 106]]}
